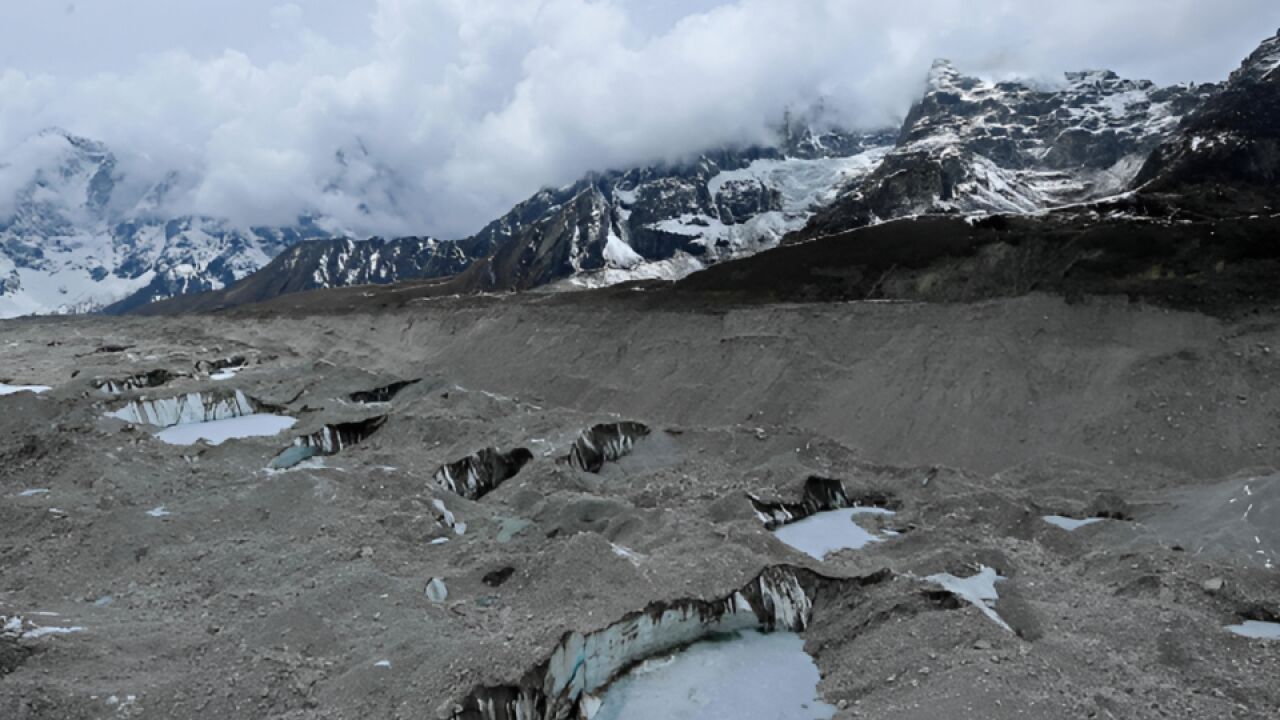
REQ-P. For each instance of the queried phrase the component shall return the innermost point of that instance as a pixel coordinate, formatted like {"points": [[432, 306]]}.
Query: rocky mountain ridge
{"points": [[976, 146], [1225, 158], [969, 146], [655, 222]]}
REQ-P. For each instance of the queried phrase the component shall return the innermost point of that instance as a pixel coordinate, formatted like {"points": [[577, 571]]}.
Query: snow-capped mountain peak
{"points": [[972, 145], [56, 181], [77, 233]]}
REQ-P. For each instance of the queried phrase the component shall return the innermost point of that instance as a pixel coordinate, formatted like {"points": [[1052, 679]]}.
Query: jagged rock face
{"points": [[477, 475], [668, 221], [190, 408], [1225, 159], [781, 598], [974, 146], [604, 443], [383, 394]]}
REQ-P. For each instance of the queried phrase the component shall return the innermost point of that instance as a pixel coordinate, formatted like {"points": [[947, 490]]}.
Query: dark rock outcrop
{"points": [[139, 381], [381, 394], [1225, 158]]}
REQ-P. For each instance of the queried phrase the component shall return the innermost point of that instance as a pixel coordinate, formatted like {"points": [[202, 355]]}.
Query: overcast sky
{"points": [[447, 112]]}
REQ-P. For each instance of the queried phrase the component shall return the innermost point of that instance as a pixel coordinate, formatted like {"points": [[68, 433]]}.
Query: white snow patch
{"points": [[979, 591], [34, 492], [676, 267], [382, 664], [619, 254], [15, 389], [26, 630], [40, 632], [450, 521], [623, 552], [159, 512], [805, 185], [1069, 524], [1257, 630]]}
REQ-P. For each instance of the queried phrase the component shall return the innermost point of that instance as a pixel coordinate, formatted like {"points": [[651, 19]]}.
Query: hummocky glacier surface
{"points": [[212, 587]]}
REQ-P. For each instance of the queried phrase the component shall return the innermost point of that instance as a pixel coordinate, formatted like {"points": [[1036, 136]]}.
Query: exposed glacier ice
{"points": [[826, 532], [746, 675], [1069, 524], [217, 432], [1257, 630], [15, 389]]}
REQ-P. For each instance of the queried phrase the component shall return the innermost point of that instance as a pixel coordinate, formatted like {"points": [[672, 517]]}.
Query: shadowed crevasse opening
{"points": [[819, 495], [328, 440], [477, 475], [233, 362], [603, 443], [582, 665], [381, 394]]}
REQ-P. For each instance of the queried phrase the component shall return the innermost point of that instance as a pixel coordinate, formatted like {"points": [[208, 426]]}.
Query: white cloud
{"points": [[446, 112]]}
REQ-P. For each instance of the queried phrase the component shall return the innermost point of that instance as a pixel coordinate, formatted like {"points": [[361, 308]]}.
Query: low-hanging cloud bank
{"points": [[449, 111]]}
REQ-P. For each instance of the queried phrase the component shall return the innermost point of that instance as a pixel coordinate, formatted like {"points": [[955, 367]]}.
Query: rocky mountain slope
{"points": [[655, 222], [77, 234], [1226, 157], [969, 146], [974, 146], [1196, 231]]}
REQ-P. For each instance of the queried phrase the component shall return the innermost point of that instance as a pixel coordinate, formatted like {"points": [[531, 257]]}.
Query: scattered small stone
{"points": [[436, 591], [1213, 585]]}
